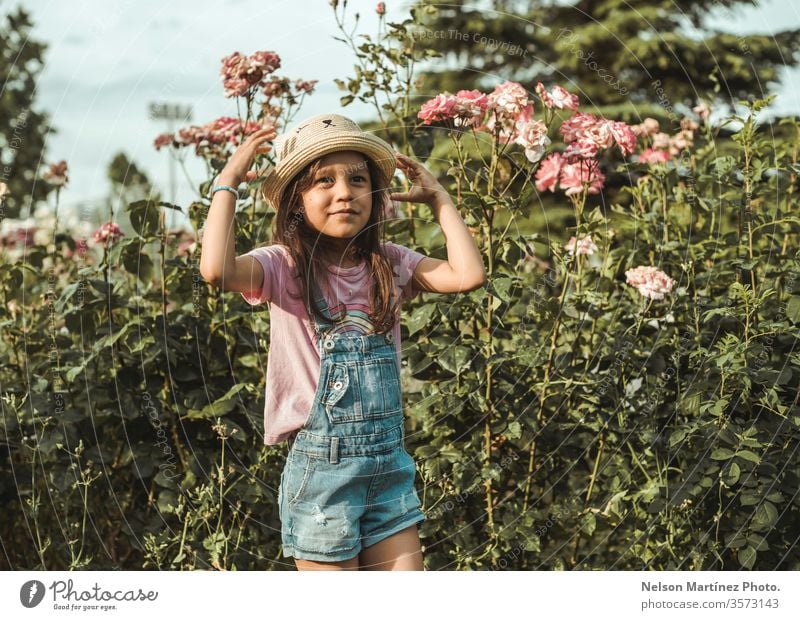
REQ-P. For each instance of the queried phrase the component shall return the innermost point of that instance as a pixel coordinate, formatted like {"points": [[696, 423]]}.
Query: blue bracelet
{"points": [[217, 188]]}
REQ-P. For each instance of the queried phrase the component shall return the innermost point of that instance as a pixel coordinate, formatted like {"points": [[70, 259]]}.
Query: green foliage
{"points": [[22, 128]]}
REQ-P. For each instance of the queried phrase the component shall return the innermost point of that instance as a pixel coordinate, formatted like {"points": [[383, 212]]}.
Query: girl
{"points": [[346, 497]]}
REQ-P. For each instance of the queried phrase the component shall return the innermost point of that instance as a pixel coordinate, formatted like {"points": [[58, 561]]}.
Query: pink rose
{"points": [[164, 139], [56, 174], [681, 140], [581, 149], [585, 246], [660, 140], [623, 136], [108, 231], [651, 125], [305, 86], [508, 99], [470, 107], [573, 176], [653, 156], [241, 74], [648, 127], [548, 173], [558, 97], [651, 282], [440, 108], [533, 136], [600, 133]]}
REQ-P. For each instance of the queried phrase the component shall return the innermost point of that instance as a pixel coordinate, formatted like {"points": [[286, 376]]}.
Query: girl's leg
{"points": [[400, 551], [351, 564]]}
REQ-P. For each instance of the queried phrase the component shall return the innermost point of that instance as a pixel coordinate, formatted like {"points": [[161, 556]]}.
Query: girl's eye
{"points": [[324, 180], [359, 178]]}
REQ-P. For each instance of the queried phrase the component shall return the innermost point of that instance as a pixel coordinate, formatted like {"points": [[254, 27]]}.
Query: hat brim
{"points": [[367, 144]]}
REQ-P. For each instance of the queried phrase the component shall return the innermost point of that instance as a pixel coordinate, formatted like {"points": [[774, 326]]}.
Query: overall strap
{"points": [[320, 299]]}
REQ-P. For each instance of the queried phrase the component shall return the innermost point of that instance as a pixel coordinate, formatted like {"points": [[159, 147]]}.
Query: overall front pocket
{"points": [[295, 477], [363, 390]]}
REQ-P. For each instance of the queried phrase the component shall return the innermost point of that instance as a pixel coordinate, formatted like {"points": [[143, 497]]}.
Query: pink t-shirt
{"points": [[293, 363]]}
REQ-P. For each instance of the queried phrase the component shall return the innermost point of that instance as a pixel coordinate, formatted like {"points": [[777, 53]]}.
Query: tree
{"points": [[630, 58], [22, 129], [128, 181]]}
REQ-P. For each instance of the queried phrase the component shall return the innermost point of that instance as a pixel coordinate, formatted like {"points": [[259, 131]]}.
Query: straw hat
{"points": [[317, 136]]}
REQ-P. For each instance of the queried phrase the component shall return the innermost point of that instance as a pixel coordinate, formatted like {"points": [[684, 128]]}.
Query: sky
{"points": [[108, 59]]}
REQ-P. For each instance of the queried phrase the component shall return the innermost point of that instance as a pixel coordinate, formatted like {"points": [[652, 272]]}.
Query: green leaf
{"points": [[500, 286], [758, 542], [722, 454], [793, 309], [588, 523], [455, 359], [137, 263], [747, 455], [219, 407], [747, 557], [732, 474], [677, 437], [514, 430], [766, 514], [144, 217], [426, 452], [749, 498], [420, 318]]}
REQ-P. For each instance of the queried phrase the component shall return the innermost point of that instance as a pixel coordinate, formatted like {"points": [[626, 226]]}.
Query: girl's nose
{"points": [[343, 190]]}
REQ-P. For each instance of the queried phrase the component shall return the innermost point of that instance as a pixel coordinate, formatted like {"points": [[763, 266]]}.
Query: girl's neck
{"points": [[343, 256]]}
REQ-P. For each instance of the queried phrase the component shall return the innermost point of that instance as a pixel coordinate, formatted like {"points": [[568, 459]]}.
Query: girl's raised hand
{"points": [[238, 167], [424, 186]]}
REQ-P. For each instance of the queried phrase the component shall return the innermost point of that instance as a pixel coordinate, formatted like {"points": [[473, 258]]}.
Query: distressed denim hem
{"points": [[290, 551]]}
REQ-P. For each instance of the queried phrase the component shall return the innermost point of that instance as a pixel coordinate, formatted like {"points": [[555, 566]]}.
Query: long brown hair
{"points": [[289, 228]]}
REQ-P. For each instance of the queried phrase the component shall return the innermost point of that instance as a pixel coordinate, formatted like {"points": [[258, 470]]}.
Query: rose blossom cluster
{"points": [[585, 135], [651, 282], [588, 133], [282, 87], [558, 97], [509, 110], [108, 232], [505, 112], [585, 246], [661, 147], [466, 108], [556, 172], [242, 77], [212, 137], [56, 174], [241, 74]]}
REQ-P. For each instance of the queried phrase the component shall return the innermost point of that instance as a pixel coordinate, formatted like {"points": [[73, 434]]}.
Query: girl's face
{"points": [[339, 201]]}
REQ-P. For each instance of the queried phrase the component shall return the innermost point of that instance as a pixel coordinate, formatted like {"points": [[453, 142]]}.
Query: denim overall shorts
{"points": [[348, 482]]}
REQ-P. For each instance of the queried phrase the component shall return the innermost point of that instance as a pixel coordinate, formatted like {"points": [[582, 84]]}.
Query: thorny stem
{"points": [[549, 366]]}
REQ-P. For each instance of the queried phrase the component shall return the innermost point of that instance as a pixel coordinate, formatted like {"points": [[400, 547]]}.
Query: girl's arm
{"points": [[463, 270], [218, 263]]}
